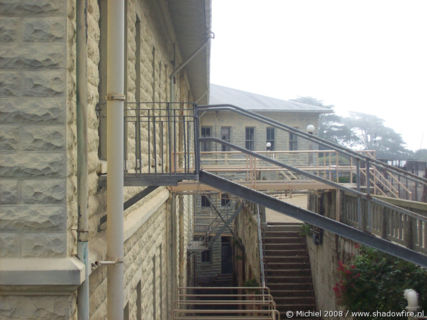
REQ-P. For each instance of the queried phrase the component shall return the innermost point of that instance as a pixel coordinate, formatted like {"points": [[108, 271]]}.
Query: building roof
{"points": [[192, 22], [257, 102]]}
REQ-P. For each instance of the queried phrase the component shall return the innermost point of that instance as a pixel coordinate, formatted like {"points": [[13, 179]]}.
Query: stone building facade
{"points": [[39, 271]]}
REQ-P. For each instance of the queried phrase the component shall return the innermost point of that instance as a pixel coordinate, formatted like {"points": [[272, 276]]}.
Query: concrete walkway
{"points": [[299, 200]]}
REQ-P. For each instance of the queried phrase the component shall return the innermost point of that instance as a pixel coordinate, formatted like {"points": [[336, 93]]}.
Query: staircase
{"points": [[287, 268]]}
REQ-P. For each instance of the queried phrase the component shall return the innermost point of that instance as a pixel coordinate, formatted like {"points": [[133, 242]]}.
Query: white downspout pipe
{"points": [[115, 105], [82, 156]]}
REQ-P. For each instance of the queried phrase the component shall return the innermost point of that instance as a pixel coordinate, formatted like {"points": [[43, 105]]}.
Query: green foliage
{"points": [[306, 230], [376, 281], [251, 283]]}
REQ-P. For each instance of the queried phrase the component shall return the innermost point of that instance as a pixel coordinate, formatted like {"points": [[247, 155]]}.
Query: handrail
{"points": [[320, 179], [260, 248], [310, 137], [248, 303]]}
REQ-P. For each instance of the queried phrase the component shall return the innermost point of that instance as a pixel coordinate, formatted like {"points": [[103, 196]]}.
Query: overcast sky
{"points": [[359, 55]]}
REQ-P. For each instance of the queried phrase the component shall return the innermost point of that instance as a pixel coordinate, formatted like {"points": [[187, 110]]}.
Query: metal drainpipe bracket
{"points": [[97, 264], [116, 97]]}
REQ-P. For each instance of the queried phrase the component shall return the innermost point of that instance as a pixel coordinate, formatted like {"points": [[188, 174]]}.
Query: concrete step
{"points": [[287, 279], [283, 240], [285, 253], [292, 286], [286, 259], [285, 246], [287, 273], [280, 234], [286, 265], [308, 292]]}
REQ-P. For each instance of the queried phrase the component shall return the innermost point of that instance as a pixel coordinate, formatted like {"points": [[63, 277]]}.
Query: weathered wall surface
{"points": [[247, 230], [33, 165], [34, 162], [324, 257], [38, 152]]}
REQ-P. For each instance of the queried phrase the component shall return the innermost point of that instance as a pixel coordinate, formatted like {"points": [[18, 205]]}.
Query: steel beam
{"points": [[313, 218]]}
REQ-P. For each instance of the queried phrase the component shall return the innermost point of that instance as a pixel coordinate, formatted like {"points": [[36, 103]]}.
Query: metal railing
{"points": [[160, 137], [371, 174], [387, 223], [225, 303], [361, 197]]}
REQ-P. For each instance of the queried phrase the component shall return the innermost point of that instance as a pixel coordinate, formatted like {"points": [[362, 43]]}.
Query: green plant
{"points": [[306, 230], [375, 282], [251, 283]]}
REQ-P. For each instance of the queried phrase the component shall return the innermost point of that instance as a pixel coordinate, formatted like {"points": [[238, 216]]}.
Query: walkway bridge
{"points": [[168, 152]]}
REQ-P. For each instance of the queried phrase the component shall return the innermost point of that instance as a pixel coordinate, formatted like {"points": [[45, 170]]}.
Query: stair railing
{"points": [[417, 221], [344, 152]]}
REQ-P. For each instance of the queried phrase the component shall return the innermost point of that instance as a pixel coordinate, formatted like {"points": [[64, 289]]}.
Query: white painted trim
{"points": [[41, 272]]}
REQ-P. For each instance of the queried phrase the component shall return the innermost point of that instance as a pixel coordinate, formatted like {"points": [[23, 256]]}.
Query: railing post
{"points": [[368, 191], [359, 201], [196, 140], [384, 224], [409, 228]]}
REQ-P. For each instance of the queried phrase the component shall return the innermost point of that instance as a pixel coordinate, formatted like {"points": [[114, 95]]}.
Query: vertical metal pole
{"points": [[196, 140], [115, 158], [82, 156], [149, 140], [359, 201], [170, 137], [368, 191], [174, 142]]}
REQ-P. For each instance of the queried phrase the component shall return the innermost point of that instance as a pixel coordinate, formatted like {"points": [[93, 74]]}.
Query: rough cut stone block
{"points": [[8, 29], [31, 7], [32, 218], [30, 57], [8, 138], [36, 307], [8, 191], [10, 84], [32, 110], [43, 245], [9, 245], [43, 84], [47, 191], [32, 165], [48, 29], [43, 138]]}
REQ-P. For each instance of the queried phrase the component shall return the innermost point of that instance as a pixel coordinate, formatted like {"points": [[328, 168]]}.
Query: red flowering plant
{"points": [[375, 281]]}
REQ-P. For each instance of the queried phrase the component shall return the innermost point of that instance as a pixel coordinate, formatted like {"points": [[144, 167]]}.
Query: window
{"points": [[206, 256], [225, 200], [293, 141], [250, 138], [270, 137], [206, 145], [225, 135], [205, 202]]}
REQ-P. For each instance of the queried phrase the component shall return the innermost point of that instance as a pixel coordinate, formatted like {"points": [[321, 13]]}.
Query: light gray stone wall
{"points": [[33, 165], [38, 151]]}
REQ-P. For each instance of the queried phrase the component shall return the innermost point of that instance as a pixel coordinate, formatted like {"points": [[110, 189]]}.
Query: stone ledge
{"points": [[63, 272]]}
